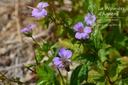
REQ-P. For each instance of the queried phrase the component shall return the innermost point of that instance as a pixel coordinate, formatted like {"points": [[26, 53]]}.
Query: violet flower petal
{"points": [[57, 61], [89, 19], [69, 61], [39, 11], [35, 13], [60, 65], [68, 54], [87, 29], [43, 13], [41, 5], [38, 14], [26, 29], [61, 52], [78, 25], [64, 55], [78, 35], [85, 36]]}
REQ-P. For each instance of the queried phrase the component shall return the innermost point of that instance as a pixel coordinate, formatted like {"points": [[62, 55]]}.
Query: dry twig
{"points": [[16, 66], [17, 20]]}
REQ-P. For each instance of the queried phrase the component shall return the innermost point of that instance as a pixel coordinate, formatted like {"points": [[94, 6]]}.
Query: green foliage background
{"points": [[103, 57]]}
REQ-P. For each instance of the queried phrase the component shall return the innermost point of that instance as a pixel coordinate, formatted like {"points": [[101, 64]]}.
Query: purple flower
{"points": [[89, 19], [26, 29], [39, 11], [82, 33], [63, 59]]}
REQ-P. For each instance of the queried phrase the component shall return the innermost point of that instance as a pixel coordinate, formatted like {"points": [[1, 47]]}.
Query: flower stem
{"points": [[35, 58], [34, 51], [61, 76], [67, 78], [35, 41], [30, 69], [10, 79]]}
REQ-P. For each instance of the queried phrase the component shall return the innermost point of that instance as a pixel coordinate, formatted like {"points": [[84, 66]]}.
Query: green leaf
{"points": [[98, 66], [79, 74], [124, 73], [39, 57], [41, 72], [29, 65], [46, 75], [45, 46], [59, 31], [88, 84], [78, 18], [96, 36], [93, 76], [28, 34], [74, 76], [41, 81], [43, 50], [83, 74], [112, 71], [103, 22], [101, 79], [49, 71], [51, 58], [102, 55], [101, 83], [86, 58], [53, 45], [66, 43], [91, 6], [103, 26]]}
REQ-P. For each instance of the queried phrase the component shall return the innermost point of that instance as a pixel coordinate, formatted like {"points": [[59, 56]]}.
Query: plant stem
{"points": [[35, 41], [107, 78], [10, 79], [67, 78], [35, 58], [61, 76], [34, 51], [30, 69]]}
